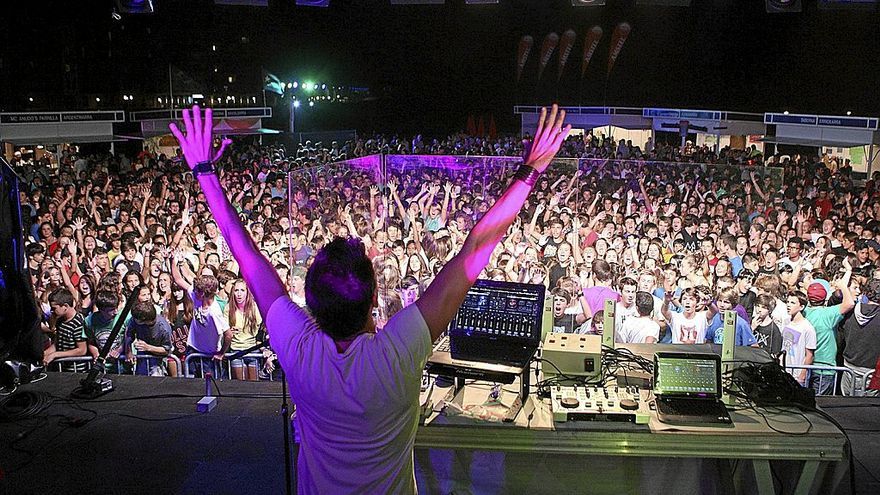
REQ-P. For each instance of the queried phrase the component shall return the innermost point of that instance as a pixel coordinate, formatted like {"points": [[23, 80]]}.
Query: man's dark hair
{"points": [[339, 287], [34, 248], [106, 299], [644, 303], [61, 296], [144, 311], [872, 290]]}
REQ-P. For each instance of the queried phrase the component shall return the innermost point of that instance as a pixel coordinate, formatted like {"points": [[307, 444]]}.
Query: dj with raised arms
{"points": [[356, 389]]}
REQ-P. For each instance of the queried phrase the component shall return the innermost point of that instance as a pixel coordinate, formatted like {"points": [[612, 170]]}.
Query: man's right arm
{"points": [[257, 271]]}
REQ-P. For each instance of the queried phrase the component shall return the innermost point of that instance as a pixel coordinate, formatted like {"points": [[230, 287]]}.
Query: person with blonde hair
{"points": [[246, 325]]}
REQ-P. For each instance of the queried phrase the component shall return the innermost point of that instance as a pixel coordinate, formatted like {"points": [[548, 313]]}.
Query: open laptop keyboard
{"points": [[689, 407]]}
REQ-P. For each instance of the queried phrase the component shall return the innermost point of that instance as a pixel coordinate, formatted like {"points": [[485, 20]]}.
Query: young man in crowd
{"points": [[799, 338], [147, 340], [69, 329], [689, 326], [861, 340], [99, 325], [765, 330], [601, 289], [825, 320], [725, 300], [641, 329]]}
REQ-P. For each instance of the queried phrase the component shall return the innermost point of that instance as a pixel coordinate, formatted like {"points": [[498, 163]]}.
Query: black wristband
{"points": [[527, 174], [204, 168]]}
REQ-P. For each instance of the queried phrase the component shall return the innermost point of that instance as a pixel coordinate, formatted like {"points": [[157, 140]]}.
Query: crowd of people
{"points": [[675, 235]]}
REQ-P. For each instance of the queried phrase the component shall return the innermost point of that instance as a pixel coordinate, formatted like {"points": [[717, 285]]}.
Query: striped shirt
{"points": [[67, 335]]}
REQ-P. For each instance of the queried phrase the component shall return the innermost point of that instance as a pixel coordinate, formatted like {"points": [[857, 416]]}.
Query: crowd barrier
{"points": [[860, 380], [219, 368], [56, 364]]}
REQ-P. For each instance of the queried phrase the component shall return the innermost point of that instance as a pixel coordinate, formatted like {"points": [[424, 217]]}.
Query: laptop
{"points": [[687, 389], [495, 332]]}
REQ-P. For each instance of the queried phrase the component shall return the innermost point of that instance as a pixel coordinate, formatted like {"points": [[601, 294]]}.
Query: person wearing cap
{"points": [[825, 320]]}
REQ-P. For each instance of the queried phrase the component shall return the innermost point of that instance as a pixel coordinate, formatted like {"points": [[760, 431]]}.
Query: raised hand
{"points": [[548, 138], [79, 223], [782, 216], [374, 190], [198, 143]]}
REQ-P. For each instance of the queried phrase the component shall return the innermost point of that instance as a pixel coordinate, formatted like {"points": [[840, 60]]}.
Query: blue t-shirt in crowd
{"points": [[736, 265], [743, 334]]}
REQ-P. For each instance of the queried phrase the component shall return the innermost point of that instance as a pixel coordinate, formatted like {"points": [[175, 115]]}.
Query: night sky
{"points": [[434, 65]]}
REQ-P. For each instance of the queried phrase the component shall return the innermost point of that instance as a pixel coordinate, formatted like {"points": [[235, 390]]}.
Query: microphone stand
{"points": [[93, 385], [285, 415]]}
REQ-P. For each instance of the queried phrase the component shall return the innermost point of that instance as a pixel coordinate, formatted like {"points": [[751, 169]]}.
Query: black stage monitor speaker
{"points": [[19, 317]]}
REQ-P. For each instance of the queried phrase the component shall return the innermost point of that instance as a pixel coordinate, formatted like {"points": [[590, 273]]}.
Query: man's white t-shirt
{"points": [[356, 412], [207, 327], [622, 314], [797, 337], [636, 329], [688, 329]]}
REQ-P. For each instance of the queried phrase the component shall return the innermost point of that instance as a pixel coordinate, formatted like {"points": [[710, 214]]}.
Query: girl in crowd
{"points": [[246, 324]]}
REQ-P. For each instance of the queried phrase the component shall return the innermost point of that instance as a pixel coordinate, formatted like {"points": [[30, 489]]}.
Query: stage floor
{"points": [[137, 444]]}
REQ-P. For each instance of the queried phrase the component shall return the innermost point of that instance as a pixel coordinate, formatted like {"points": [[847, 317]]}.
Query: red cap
{"points": [[816, 293]]}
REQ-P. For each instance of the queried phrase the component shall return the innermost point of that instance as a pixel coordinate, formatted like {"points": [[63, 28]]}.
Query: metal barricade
{"points": [[838, 370], [255, 355], [190, 358], [149, 357], [861, 388], [227, 364], [72, 359]]}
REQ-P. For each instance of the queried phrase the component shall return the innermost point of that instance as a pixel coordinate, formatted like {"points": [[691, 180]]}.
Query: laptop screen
{"points": [[687, 375], [501, 310]]}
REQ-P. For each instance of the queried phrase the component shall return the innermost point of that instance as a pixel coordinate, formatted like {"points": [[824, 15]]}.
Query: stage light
{"points": [[785, 112], [296, 104], [130, 97], [213, 48], [783, 6], [198, 96], [307, 86], [587, 3], [229, 78], [295, 84], [289, 85], [98, 100], [316, 87], [311, 103], [848, 113], [323, 86], [124, 97], [31, 99]]}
